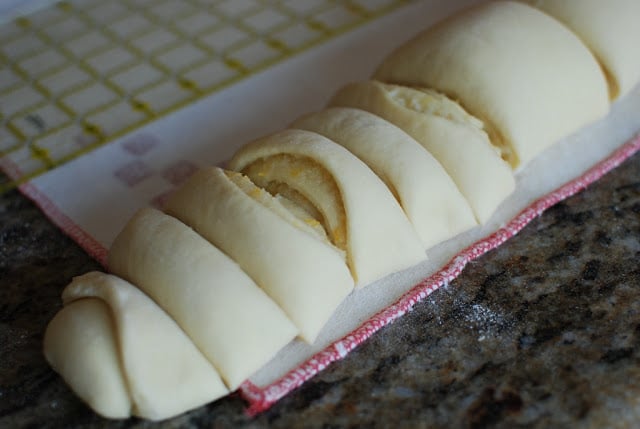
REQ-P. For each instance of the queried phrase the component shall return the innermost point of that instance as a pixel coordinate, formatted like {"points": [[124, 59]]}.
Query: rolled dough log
{"points": [[305, 275], [452, 136], [79, 344], [524, 74], [124, 355], [429, 197], [610, 29], [230, 319], [359, 213]]}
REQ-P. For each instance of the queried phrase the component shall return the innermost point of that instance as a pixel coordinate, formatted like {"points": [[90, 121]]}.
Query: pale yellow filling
{"points": [[431, 102], [284, 207], [306, 183]]}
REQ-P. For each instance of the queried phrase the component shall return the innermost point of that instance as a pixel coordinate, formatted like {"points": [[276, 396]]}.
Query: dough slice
{"points": [[359, 213], [80, 345], [230, 319], [451, 135], [284, 254], [429, 197], [610, 29], [121, 352], [525, 75]]}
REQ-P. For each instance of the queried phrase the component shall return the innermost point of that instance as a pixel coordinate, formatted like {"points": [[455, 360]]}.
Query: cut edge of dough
{"points": [[327, 200], [301, 215], [613, 85], [375, 137], [372, 96], [431, 101], [366, 262], [270, 238]]}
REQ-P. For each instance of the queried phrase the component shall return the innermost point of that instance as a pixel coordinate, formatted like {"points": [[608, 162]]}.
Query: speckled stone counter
{"points": [[543, 332]]}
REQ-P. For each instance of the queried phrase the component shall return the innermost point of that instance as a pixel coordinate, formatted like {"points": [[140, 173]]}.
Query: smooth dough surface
{"points": [[230, 319], [79, 344], [454, 138], [379, 238], [610, 29], [165, 373], [524, 74], [427, 194], [306, 277]]}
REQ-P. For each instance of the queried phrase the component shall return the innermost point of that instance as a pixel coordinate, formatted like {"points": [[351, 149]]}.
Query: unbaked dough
{"points": [[429, 197], [500, 81], [79, 344], [124, 355], [610, 29], [230, 319], [452, 136], [359, 213], [302, 272], [524, 74]]}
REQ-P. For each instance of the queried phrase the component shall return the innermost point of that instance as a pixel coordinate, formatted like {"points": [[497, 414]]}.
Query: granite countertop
{"points": [[543, 332]]}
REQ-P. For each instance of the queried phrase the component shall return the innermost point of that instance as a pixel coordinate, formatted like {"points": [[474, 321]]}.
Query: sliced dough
{"points": [[120, 351], [360, 214], [452, 136], [429, 197], [528, 77], [230, 319], [304, 274], [610, 29], [80, 345]]}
